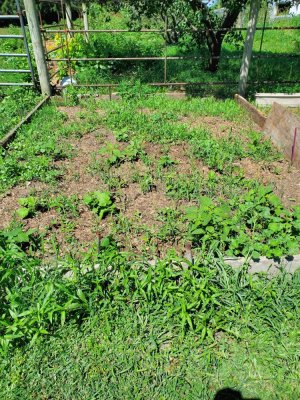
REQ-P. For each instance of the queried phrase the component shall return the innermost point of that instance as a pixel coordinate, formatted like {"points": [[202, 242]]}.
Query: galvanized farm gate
{"points": [[18, 17]]}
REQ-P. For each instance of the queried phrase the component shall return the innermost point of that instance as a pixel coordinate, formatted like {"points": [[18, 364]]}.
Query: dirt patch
{"points": [[42, 221], [185, 164], [77, 180], [74, 112], [217, 126], [145, 110], [9, 201], [284, 179], [86, 228], [156, 151], [127, 170], [71, 112], [146, 205]]}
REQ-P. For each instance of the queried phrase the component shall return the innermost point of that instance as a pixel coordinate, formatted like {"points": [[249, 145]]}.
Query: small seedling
{"points": [[166, 161], [30, 205], [100, 203], [147, 184], [122, 135]]}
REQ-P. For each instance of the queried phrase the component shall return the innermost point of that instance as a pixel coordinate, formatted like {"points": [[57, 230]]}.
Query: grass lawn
{"points": [[115, 220]]}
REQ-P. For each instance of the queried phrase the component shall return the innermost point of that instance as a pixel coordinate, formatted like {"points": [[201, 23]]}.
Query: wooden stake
{"points": [[69, 16], [37, 45], [85, 21], [254, 10]]}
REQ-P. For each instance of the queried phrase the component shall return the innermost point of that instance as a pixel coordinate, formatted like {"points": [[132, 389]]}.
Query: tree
{"points": [[7, 7], [194, 17]]}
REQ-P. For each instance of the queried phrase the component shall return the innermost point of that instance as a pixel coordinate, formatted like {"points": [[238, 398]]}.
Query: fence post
{"points": [[37, 44], [69, 16], [85, 21], [254, 10], [240, 20]]}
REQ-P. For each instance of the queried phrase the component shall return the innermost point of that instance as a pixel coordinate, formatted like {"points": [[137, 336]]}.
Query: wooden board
{"points": [[287, 100], [255, 114], [280, 127]]}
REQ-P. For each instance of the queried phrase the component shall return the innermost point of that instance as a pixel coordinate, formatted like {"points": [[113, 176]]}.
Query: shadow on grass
{"points": [[230, 394]]}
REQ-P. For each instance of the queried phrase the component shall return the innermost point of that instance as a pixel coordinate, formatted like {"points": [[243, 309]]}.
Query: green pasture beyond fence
{"points": [[120, 54]]}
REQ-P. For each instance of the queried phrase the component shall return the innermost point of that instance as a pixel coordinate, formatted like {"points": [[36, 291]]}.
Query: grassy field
{"points": [[116, 217]]}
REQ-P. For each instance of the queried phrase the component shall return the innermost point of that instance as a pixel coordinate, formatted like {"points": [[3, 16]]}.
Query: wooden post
{"points": [[37, 45], [254, 10], [69, 16], [85, 21], [240, 20]]}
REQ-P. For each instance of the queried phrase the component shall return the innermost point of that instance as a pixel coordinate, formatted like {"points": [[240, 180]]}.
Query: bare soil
{"points": [[219, 127], [284, 178]]}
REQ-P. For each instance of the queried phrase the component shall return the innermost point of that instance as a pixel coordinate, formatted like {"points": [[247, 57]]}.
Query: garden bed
{"points": [[156, 158]]}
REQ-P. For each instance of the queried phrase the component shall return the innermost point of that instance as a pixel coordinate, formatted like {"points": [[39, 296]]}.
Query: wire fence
{"points": [[65, 34], [68, 59]]}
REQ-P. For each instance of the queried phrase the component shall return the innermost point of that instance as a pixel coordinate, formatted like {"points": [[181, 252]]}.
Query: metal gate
{"points": [[22, 36]]}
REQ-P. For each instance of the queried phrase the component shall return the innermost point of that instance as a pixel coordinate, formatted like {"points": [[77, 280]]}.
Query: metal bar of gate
{"points": [[11, 36], [269, 28], [16, 84], [169, 84], [9, 17], [12, 55], [21, 71], [18, 16], [25, 40], [161, 58]]}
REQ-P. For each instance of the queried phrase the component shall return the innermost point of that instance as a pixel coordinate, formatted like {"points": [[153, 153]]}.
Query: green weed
{"points": [[254, 225], [100, 203]]}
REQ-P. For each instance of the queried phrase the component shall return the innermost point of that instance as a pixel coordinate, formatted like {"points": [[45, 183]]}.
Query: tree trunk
{"points": [[171, 37], [215, 39], [215, 49]]}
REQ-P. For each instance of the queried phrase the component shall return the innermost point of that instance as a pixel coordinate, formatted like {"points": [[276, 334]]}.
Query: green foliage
{"points": [[166, 161], [116, 156], [35, 300], [12, 110], [30, 306], [146, 182], [256, 224], [218, 154], [107, 46], [169, 230], [100, 203], [122, 135], [32, 154], [29, 206], [179, 186], [134, 90], [260, 148], [66, 206]]}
